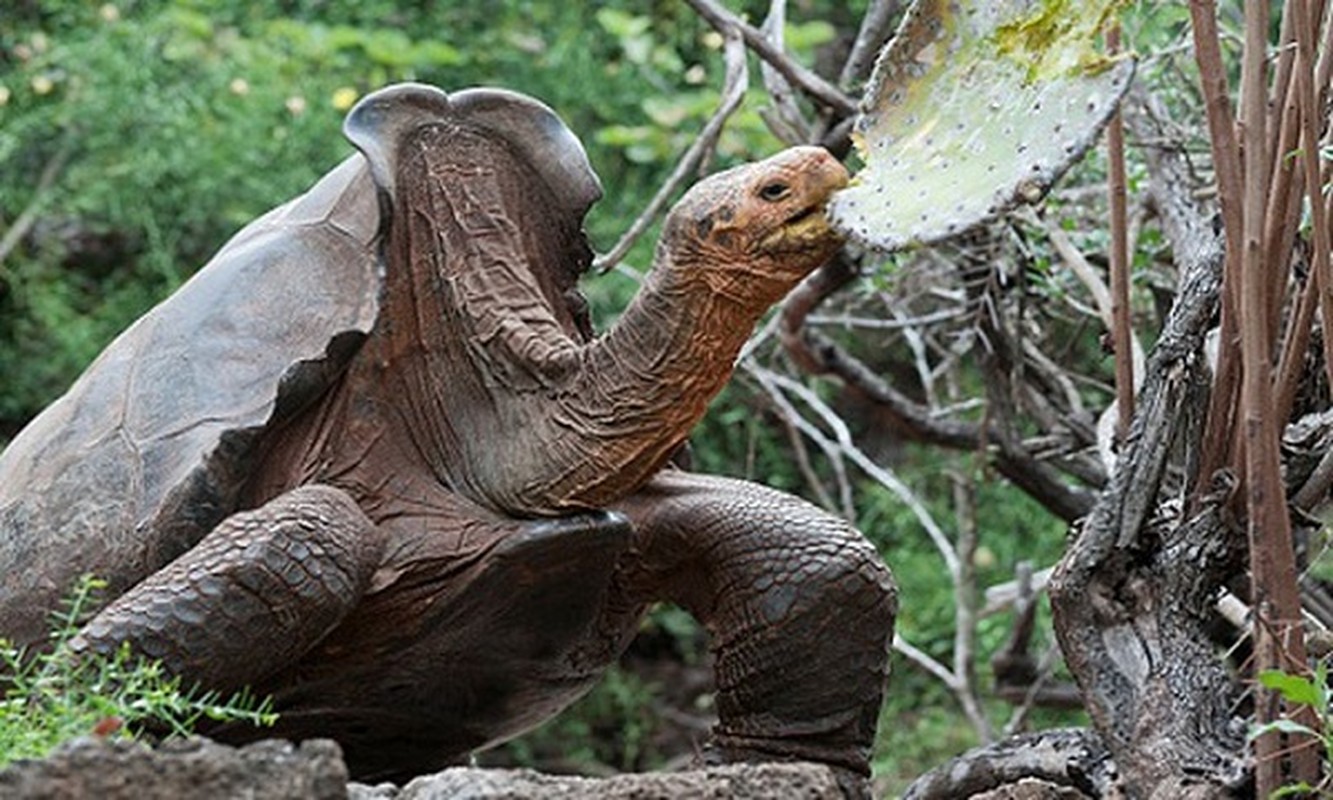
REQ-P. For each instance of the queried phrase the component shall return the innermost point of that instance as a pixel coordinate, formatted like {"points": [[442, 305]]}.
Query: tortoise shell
{"points": [[150, 448]]}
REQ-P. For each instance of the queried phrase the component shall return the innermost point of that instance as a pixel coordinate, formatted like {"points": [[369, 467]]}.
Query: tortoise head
{"points": [[757, 229]]}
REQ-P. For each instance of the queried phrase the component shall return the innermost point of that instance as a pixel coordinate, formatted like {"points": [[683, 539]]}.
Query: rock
{"points": [[314, 770], [732, 782], [126, 770], [1031, 789]]}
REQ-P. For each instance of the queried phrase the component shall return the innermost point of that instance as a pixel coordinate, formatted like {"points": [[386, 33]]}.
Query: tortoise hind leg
{"points": [[798, 605], [258, 591]]}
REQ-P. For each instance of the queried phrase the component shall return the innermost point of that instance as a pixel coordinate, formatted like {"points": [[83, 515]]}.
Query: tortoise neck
{"points": [[680, 335], [662, 363]]}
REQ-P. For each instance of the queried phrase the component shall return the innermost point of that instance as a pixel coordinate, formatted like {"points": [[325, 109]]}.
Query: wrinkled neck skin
{"points": [[530, 421], [614, 413], [646, 382]]}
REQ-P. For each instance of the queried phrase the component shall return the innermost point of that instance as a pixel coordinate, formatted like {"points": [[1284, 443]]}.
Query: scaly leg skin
{"points": [[258, 591], [799, 607]]}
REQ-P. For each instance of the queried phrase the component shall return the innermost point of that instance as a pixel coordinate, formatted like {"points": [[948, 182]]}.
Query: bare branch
{"points": [[25, 220], [1315, 486], [800, 425], [1102, 296], [810, 83], [1122, 330], [965, 606], [1310, 105], [1217, 445], [1072, 757], [735, 84], [1042, 693], [1278, 635], [797, 439], [875, 31], [818, 355], [1003, 595], [1113, 425], [881, 474], [924, 661], [872, 323], [784, 118]]}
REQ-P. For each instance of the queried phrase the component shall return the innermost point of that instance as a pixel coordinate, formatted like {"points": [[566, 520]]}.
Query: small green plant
{"points": [[56, 695], [1301, 692]]}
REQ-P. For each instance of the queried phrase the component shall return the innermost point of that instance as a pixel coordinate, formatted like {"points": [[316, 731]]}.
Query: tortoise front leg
{"points": [[257, 592], [799, 606]]}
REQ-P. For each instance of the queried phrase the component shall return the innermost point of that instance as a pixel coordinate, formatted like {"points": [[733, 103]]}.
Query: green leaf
{"points": [[56, 695], [1293, 688], [622, 25], [805, 37], [1282, 726], [1301, 789], [438, 54], [389, 47], [974, 107], [623, 135], [194, 23]]}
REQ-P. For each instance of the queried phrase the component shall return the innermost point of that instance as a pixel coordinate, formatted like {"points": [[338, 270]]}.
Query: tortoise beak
{"points": [[821, 175]]}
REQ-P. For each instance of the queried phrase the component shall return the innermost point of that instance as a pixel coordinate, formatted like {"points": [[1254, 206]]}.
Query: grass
{"points": [[56, 695]]}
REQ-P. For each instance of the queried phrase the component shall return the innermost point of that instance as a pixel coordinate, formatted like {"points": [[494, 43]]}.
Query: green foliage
{"points": [[609, 727], [619, 725], [1311, 693], [737, 439], [919, 728], [168, 127], [55, 695]]}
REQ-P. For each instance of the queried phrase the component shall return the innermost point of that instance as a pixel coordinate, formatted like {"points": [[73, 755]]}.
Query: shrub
{"points": [[55, 695]]}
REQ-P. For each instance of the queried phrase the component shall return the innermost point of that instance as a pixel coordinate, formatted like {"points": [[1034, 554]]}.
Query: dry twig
{"points": [[733, 91], [814, 86]]}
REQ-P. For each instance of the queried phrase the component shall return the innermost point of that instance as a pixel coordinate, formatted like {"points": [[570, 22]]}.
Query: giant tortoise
{"points": [[372, 461]]}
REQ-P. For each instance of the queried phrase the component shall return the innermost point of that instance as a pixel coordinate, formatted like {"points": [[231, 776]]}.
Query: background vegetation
{"points": [[58, 694], [135, 137]]}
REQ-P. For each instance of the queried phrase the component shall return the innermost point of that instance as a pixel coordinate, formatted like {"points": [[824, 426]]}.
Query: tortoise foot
{"points": [[853, 784]]}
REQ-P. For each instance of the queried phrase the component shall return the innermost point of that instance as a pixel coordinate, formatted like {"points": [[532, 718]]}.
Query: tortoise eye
{"points": [[773, 192]]}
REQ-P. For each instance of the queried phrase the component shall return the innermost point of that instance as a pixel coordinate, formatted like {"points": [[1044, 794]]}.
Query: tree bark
{"points": [[1074, 758], [1132, 596]]}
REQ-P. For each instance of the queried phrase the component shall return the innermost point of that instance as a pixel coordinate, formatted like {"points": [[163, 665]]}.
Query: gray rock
{"points": [[126, 770], [314, 770], [382, 791], [1031, 789], [731, 782]]}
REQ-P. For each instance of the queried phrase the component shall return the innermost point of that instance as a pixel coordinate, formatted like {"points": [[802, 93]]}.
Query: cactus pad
{"points": [[975, 106]]}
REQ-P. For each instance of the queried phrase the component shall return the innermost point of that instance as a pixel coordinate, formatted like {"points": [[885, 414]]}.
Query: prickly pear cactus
{"points": [[975, 106]]}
